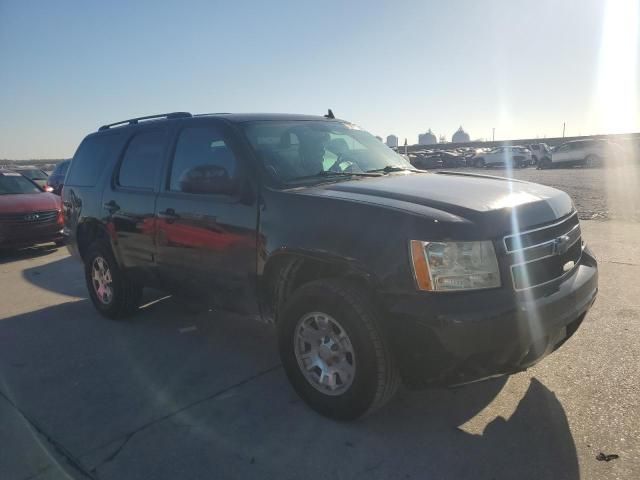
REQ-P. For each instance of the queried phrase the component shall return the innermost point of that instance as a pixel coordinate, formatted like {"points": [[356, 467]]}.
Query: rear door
{"points": [[496, 156], [207, 219], [128, 202]]}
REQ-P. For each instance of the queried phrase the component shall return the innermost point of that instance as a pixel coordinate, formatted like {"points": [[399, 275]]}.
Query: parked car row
{"points": [[588, 153], [513, 156]]}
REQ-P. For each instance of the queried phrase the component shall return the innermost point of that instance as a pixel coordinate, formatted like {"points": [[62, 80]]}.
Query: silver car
{"points": [[588, 153]]}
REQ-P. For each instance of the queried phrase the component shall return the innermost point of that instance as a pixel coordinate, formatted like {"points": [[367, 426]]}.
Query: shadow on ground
{"points": [[8, 255], [172, 395]]}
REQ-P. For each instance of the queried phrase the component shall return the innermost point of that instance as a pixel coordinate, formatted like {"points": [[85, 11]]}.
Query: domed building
{"points": [[460, 136], [392, 141], [427, 138]]}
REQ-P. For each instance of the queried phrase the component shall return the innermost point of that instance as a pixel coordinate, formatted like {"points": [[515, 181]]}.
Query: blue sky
{"points": [[521, 66]]}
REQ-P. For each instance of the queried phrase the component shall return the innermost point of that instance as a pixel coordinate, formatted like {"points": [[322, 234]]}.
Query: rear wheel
{"points": [[334, 351], [113, 294]]}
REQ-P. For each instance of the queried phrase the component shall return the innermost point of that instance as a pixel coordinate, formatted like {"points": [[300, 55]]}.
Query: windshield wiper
{"points": [[392, 168], [328, 174]]}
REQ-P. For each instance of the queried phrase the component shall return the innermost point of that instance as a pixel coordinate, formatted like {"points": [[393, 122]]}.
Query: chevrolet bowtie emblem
{"points": [[561, 245]]}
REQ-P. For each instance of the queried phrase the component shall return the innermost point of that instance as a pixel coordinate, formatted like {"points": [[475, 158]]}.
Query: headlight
{"points": [[450, 266]]}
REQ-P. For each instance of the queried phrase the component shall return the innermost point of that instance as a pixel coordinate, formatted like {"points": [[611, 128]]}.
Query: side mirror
{"points": [[207, 179]]}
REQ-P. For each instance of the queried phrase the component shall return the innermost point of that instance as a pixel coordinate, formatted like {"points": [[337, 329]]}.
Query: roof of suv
{"points": [[233, 117]]}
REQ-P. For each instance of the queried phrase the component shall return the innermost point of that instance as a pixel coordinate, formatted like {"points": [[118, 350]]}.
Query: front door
{"points": [[562, 154], [206, 222]]}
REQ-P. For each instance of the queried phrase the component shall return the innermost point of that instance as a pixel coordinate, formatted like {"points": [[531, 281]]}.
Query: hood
{"points": [[29, 202], [486, 201]]}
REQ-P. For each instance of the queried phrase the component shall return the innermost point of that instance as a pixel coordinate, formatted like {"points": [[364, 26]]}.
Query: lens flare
{"points": [[616, 105]]}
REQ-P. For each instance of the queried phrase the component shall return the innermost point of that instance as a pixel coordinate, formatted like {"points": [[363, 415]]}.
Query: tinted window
{"points": [[142, 160], [201, 154], [91, 158]]}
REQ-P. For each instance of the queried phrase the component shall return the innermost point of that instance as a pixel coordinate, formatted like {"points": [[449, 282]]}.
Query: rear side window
{"points": [[91, 158], [142, 160], [200, 152]]}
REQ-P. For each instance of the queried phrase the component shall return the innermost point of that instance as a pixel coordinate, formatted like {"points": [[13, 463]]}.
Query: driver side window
{"points": [[340, 146], [202, 163]]}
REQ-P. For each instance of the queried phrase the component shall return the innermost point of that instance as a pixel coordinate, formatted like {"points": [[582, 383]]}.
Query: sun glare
{"points": [[617, 87]]}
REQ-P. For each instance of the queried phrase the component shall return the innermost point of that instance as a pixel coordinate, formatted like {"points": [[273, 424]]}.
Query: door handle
{"points": [[111, 206], [169, 215]]}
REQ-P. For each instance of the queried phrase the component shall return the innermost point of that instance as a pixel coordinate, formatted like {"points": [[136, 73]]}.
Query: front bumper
{"points": [[21, 237], [455, 338]]}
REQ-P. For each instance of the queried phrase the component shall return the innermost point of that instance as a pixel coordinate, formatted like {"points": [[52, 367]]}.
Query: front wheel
{"points": [[113, 294], [334, 351], [544, 163]]}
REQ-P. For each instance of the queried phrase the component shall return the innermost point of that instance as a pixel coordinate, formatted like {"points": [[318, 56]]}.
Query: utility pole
{"points": [[405, 146], [493, 137], [564, 124]]}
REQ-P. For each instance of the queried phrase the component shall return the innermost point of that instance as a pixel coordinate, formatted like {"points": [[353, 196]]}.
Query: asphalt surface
{"points": [[169, 394]]}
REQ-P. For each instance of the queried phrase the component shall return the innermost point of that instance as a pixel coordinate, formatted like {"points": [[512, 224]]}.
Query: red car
{"points": [[28, 215]]}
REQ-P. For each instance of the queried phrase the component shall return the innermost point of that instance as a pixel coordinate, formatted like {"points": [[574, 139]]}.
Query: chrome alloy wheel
{"points": [[324, 353], [102, 280]]}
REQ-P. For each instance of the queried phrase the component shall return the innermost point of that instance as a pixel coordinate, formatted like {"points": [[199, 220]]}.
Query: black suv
{"points": [[372, 271]]}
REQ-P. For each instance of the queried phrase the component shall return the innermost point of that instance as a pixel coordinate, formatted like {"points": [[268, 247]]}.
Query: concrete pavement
{"points": [[170, 394]]}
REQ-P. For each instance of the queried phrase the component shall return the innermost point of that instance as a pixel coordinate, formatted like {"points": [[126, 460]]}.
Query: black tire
{"points": [[376, 377], [544, 163], [126, 294], [479, 162]]}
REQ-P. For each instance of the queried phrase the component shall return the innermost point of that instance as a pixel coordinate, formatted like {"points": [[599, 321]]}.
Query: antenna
{"points": [[330, 115]]}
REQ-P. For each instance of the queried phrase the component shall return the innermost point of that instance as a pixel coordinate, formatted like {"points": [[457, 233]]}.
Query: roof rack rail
{"points": [[134, 121]]}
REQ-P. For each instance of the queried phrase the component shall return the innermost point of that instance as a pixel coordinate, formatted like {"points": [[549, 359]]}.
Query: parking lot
{"points": [[171, 394]]}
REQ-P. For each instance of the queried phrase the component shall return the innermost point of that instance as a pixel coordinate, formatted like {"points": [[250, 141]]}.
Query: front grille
{"points": [[31, 218], [544, 254]]}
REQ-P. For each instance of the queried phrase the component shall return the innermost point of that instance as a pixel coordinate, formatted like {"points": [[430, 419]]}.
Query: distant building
{"points": [[392, 141], [460, 136], [427, 138]]}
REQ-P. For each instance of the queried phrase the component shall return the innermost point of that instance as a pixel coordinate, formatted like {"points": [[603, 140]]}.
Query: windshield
{"points": [[34, 174], [296, 150], [14, 183]]}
